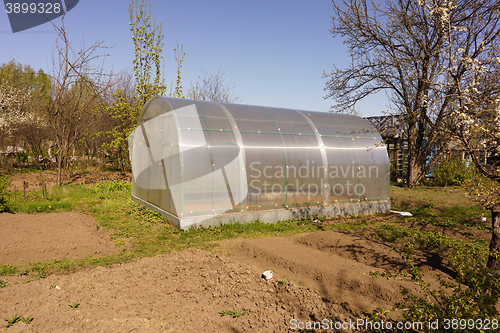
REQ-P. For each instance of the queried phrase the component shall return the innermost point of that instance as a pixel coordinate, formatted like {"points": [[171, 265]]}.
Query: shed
{"points": [[392, 129], [203, 163]]}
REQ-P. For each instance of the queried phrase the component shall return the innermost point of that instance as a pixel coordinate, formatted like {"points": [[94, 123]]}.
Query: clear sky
{"points": [[275, 51]]}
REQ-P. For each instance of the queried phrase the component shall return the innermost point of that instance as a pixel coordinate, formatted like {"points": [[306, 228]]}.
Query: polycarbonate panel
{"points": [[305, 168], [229, 187], [155, 177], [374, 169], [265, 165], [252, 118], [191, 143], [197, 176], [290, 121], [327, 123], [342, 168], [154, 108], [156, 147], [190, 120], [170, 161], [215, 117], [357, 126], [140, 160], [178, 103]]}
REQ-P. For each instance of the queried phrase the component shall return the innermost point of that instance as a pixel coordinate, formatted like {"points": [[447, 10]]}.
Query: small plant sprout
{"points": [[235, 313], [74, 305], [11, 321], [3, 284]]}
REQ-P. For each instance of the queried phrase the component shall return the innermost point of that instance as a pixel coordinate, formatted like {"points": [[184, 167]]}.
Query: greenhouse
{"points": [[201, 163]]}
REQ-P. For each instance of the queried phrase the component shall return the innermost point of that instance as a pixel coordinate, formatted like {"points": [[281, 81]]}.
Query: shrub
{"points": [[453, 172], [4, 182]]}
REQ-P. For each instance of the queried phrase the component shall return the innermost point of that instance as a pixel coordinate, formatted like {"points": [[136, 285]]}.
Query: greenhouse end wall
{"points": [[203, 163]]}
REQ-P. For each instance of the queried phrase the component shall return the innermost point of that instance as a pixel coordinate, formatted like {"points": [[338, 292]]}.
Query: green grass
{"points": [[43, 207], [431, 241], [6, 270], [449, 207]]}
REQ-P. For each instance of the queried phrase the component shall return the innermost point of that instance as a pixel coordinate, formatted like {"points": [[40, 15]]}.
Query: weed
{"points": [[378, 314], [143, 213], [471, 294], [111, 186], [6, 270], [284, 281], [37, 273], [74, 305], [11, 321], [3, 284], [235, 313]]}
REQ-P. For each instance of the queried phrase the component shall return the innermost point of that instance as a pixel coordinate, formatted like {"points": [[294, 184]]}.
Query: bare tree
{"points": [[78, 84], [402, 47], [213, 87]]}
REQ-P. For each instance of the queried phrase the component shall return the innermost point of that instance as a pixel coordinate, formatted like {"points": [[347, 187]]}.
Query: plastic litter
{"points": [[401, 213], [268, 275]]}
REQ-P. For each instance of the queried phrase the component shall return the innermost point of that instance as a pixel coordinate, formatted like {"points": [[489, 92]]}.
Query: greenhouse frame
{"points": [[201, 163]]}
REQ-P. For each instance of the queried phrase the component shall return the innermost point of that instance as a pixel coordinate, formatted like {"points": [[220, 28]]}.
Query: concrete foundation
{"points": [[272, 216]]}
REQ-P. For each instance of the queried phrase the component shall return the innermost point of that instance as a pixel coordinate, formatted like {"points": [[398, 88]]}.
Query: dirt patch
{"points": [[76, 178], [320, 275], [38, 237], [179, 292]]}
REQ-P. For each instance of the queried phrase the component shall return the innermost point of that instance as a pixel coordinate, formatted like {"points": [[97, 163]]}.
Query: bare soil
{"points": [[38, 237], [320, 275], [76, 178]]}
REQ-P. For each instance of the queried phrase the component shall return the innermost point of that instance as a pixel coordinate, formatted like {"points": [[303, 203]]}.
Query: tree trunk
{"points": [[495, 238], [413, 170], [59, 167]]}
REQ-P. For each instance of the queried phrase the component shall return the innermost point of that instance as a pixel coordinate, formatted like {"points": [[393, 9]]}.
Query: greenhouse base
{"points": [[272, 216]]}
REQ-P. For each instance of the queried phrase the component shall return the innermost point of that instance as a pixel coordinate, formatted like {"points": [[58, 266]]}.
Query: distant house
{"points": [[392, 130]]}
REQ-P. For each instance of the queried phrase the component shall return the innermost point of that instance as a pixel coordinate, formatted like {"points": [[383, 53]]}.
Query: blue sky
{"points": [[275, 51]]}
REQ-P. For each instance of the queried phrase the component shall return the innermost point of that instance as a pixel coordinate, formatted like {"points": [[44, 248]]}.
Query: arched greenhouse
{"points": [[203, 163]]}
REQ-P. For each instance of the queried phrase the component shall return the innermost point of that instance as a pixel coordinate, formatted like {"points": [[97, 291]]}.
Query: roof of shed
{"points": [[388, 126]]}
